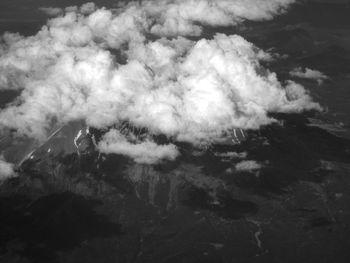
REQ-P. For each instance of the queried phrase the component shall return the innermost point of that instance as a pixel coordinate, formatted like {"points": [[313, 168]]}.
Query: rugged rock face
{"points": [[85, 142]]}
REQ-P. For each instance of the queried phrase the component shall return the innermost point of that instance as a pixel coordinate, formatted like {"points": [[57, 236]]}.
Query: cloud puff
{"points": [[309, 74], [51, 11], [171, 17], [102, 66], [88, 8], [232, 155], [248, 165], [145, 151], [183, 16], [85, 9], [6, 169]]}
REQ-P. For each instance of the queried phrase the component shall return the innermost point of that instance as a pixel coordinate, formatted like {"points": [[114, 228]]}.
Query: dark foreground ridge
{"points": [[83, 207]]}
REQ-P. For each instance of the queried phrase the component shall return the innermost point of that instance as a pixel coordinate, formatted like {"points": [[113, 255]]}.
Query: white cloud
{"points": [[309, 74], [6, 169], [145, 151], [183, 16], [51, 11], [189, 91], [85, 9], [88, 8], [231, 155], [248, 165]]}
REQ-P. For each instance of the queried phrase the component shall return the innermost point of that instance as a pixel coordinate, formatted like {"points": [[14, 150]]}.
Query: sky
{"points": [[148, 64]]}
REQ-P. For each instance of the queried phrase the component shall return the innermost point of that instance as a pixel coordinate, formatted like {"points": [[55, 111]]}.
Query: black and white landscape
{"points": [[174, 131]]}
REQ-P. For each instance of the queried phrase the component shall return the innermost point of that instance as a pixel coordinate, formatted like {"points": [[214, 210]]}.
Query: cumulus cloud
{"points": [[6, 169], [105, 67], [145, 151], [51, 11], [88, 8], [85, 9], [231, 155], [248, 165], [183, 16], [309, 74]]}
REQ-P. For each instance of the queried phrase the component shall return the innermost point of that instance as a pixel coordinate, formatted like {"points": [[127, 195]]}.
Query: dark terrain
{"points": [[74, 205]]}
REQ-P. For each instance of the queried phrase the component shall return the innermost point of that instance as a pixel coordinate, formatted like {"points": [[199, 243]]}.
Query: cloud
{"points": [[309, 74], [6, 169], [183, 17], [232, 155], [104, 67], [85, 9], [51, 11], [248, 165], [145, 151], [88, 8]]}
